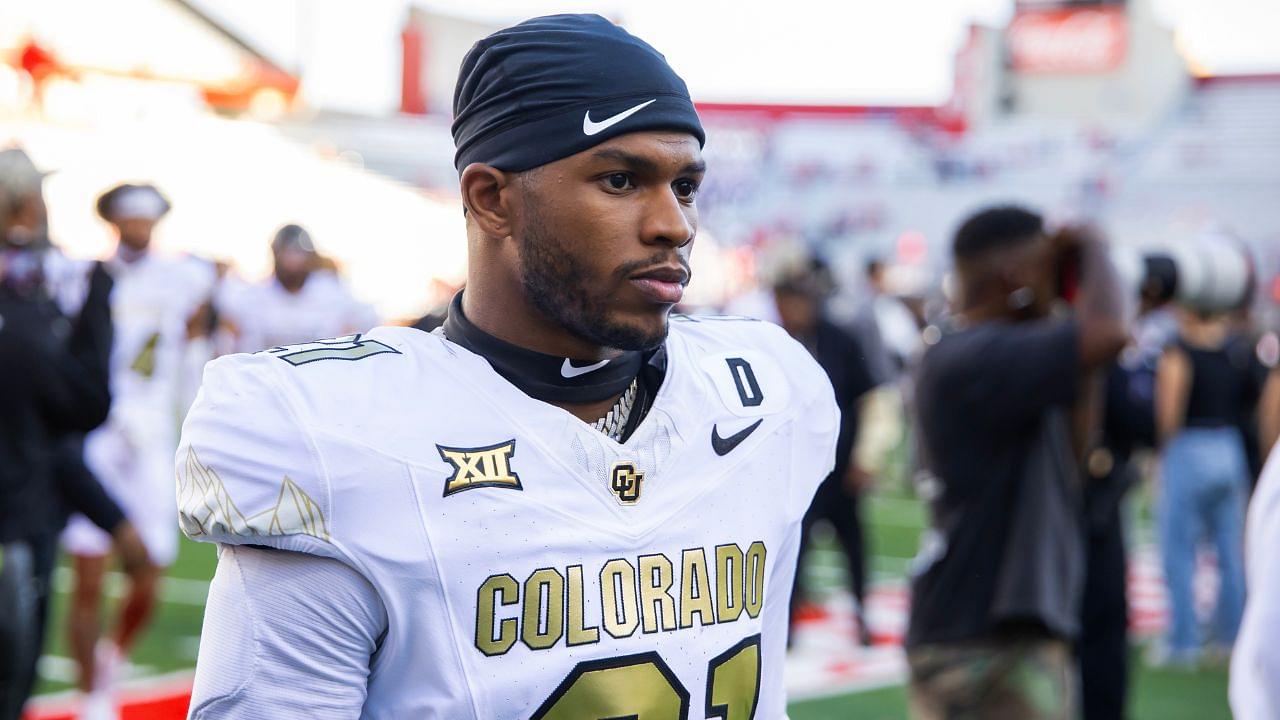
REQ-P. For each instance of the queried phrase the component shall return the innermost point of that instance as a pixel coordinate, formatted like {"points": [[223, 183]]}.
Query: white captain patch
{"points": [[750, 384]]}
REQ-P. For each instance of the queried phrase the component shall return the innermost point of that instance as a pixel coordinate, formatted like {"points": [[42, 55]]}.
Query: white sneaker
{"points": [[107, 666], [98, 705]]}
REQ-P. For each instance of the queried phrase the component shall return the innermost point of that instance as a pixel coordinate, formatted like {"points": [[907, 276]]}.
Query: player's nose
{"points": [[669, 221]]}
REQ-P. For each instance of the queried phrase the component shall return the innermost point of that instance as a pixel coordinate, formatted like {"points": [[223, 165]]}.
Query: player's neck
{"points": [[585, 388], [512, 320], [129, 255]]}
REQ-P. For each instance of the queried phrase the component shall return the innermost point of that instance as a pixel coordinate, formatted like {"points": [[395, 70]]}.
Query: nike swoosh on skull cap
{"points": [[569, 371], [591, 128]]}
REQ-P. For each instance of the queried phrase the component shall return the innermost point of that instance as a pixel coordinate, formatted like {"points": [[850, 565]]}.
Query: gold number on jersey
{"points": [[145, 363], [644, 688], [347, 347], [733, 682], [632, 686]]}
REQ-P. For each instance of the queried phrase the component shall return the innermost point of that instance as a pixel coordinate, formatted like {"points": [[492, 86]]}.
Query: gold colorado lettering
{"points": [[653, 593]]}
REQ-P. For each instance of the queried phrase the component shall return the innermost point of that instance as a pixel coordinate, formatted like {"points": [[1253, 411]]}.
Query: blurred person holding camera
{"points": [[155, 309], [302, 301], [1203, 389], [54, 386], [1006, 403]]}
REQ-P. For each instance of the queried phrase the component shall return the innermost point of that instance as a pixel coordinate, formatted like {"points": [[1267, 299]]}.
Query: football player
{"points": [[152, 304], [300, 302], [559, 505]]}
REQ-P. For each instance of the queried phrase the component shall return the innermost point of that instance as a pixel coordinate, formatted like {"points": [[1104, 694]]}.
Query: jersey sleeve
{"points": [[817, 430], [249, 473], [816, 423], [1255, 661], [285, 635]]}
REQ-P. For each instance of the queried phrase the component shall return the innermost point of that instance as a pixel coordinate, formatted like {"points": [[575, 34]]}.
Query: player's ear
{"points": [[485, 193]]}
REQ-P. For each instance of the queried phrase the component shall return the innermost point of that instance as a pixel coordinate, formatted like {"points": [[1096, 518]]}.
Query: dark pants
{"points": [[26, 570], [1104, 647], [19, 625], [839, 507]]}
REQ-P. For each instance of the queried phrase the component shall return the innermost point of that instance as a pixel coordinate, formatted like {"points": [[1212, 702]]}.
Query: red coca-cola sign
{"points": [[1084, 40]]}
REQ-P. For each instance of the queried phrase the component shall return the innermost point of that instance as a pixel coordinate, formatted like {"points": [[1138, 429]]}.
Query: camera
{"points": [[1210, 275]]}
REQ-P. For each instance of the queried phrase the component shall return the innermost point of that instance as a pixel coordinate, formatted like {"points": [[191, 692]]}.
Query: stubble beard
{"points": [[555, 282]]}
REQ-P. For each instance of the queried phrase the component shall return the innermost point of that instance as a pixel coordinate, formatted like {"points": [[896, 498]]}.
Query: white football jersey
{"points": [[151, 301], [266, 315], [531, 567]]}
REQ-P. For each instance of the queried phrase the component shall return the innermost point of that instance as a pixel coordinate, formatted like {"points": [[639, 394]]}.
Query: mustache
{"points": [[626, 270]]}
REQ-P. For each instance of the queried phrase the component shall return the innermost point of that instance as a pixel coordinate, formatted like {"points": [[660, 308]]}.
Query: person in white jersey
{"points": [[560, 504], [301, 301], [152, 306]]}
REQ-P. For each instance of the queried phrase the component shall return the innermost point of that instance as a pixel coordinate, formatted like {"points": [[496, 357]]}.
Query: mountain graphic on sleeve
{"points": [[206, 508]]}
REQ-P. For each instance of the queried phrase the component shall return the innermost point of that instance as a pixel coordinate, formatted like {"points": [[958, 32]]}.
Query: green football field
{"points": [[894, 519]]}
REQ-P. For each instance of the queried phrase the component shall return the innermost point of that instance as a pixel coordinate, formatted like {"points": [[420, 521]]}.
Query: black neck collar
{"points": [[548, 378]]}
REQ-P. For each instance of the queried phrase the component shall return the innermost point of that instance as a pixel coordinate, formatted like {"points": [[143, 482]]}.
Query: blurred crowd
{"points": [[1023, 400], [102, 359]]}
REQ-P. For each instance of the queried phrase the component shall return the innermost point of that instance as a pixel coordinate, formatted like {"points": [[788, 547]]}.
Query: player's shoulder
{"points": [[725, 333], [369, 373], [349, 364], [723, 339], [255, 462], [718, 330]]}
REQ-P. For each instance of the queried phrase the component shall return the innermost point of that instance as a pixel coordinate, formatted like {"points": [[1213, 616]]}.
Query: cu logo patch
{"points": [[624, 481], [480, 467]]}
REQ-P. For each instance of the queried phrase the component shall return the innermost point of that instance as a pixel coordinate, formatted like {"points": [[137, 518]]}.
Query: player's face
{"points": [[292, 265], [135, 233], [604, 236]]}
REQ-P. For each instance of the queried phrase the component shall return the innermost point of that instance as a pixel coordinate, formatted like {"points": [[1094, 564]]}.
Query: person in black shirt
{"points": [[1102, 649], [53, 384], [1202, 392], [799, 295], [1003, 403]]}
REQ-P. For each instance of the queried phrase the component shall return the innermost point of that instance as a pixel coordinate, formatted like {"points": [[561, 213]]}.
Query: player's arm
{"points": [[289, 617], [1255, 664], [285, 635], [1173, 387]]}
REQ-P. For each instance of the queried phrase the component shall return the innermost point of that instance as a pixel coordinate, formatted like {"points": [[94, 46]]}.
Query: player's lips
{"points": [[662, 284]]}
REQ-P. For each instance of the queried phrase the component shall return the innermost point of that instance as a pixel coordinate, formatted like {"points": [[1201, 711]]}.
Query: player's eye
{"points": [[685, 189], [619, 181]]}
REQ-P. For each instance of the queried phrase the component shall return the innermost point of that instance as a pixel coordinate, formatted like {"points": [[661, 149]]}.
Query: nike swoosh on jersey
{"points": [[590, 127], [569, 371], [724, 446]]}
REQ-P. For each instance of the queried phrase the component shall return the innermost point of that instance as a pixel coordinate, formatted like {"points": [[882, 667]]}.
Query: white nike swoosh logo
{"points": [[569, 371], [591, 128]]}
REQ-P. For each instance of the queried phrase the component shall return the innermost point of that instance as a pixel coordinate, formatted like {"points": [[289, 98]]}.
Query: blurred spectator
{"points": [[1201, 393], [152, 307], [1128, 424], [54, 381], [889, 332], [302, 301], [799, 292], [1269, 413], [1242, 349], [998, 583], [894, 322]]}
